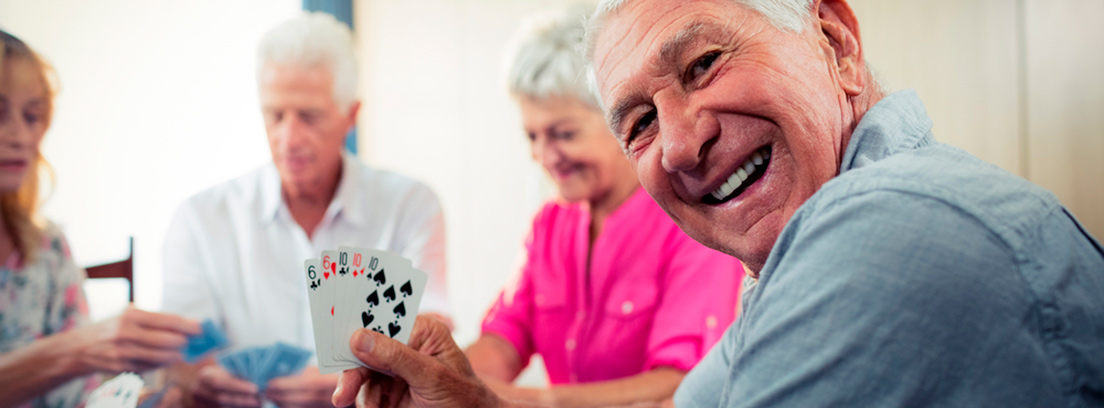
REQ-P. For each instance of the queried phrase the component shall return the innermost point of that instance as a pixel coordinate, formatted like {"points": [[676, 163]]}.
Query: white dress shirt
{"points": [[235, 255]]}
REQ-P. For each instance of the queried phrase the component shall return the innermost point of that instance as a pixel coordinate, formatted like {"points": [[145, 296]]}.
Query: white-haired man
{"points": [[891, 270], [233, 252]]}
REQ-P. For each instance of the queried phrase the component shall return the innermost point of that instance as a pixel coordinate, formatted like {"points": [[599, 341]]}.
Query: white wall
{"points": [[157, 101]]}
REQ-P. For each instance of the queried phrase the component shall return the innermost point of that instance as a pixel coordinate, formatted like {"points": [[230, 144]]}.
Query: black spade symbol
{"points": [[380, 278], [378, 329], [393, 328], [366, 318], [373, 299], [406, 289], [389, 294], [400, 310]]}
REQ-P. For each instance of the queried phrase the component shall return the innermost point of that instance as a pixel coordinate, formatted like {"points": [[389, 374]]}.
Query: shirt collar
{"points": [[347, 202], [896, 123]]}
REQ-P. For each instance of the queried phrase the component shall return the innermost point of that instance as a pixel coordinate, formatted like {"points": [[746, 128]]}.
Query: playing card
{"points": [[211, 339], [348, 267], [283, 360], [362, 294], [385, 298], [258, 357], [120, 392], [231, 361], [400, 302], [321, 285]]}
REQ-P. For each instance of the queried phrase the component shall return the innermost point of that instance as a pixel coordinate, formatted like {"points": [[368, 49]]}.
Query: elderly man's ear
{"points": [[351, 114], [839, 26]]}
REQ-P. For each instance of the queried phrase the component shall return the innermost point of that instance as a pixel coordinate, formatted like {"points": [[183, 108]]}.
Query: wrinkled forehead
{"points": [[644, 38]]}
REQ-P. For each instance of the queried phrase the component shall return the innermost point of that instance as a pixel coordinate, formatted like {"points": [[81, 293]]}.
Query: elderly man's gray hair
{"points": [[547, 59], [788, 15], [314, 39], [784, 14]]}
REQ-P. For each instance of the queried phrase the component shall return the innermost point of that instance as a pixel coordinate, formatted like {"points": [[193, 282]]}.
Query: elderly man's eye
{"points": [[273, 117], [700, 66], [641, 125]]}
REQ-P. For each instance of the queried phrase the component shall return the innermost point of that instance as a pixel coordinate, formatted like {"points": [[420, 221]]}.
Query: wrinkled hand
{"points": [[306, 390], [431, 373], [135, 341], [216, 387]]}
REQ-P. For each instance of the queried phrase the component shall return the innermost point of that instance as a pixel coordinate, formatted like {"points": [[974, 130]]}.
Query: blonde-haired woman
{"points": [[48, 352]]}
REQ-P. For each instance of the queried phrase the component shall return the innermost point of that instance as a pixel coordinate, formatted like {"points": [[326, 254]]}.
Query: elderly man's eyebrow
{"points": [[678, 43], [617, 114], [669, 53]]}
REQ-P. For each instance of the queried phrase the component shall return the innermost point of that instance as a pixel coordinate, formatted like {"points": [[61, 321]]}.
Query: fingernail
{"points": [[337, 391], [367, 342]]}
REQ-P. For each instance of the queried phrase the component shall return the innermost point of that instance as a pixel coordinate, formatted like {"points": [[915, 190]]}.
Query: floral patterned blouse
{"points": [[40, 299]]}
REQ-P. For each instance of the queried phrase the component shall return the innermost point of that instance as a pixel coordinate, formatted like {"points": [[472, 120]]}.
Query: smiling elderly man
{"points": [[892, 270]]}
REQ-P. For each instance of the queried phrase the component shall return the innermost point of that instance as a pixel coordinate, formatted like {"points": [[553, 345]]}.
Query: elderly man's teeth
{"points": [[741, 174], [729, 186]]}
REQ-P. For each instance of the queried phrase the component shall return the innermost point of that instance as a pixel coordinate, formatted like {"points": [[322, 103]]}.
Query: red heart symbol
{"points": [[326, 275], [333, 267], [331, 310]]}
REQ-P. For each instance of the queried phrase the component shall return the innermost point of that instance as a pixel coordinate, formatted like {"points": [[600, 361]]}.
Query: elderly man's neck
{"points": [[307, 202]]}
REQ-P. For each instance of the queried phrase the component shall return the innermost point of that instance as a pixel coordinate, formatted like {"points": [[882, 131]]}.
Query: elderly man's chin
{"points": [[751, 246]]}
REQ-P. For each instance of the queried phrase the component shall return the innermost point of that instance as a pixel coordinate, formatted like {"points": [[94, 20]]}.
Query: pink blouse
{"points": [[650, 297]]}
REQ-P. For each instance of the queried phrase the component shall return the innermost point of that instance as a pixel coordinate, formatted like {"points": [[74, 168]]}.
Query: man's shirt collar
{"points": [[896, 123], [346, 203]]}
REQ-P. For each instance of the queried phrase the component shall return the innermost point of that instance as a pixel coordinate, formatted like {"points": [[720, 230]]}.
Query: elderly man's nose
{"points": [[685, 137], [290, 133]]}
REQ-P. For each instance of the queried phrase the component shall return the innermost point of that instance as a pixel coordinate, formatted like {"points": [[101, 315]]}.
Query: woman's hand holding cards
{"points": [[135, 341]]}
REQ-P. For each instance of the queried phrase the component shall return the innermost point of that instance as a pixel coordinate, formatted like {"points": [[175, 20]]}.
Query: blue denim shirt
{"points": [[920, 276]]}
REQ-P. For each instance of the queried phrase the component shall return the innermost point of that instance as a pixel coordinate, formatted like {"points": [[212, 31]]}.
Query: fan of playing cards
{"points": [[259, 364], [355, 288]]}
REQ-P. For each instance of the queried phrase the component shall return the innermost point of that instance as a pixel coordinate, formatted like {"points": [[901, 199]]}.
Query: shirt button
{"points": [[711, 322], [626, 307], [570, 344]]}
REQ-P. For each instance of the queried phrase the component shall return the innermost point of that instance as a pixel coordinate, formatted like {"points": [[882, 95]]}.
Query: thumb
{"points": [[385, 354]]}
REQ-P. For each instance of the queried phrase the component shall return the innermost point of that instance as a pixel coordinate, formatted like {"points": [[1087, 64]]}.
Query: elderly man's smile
{"points": [[750, 171]]}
